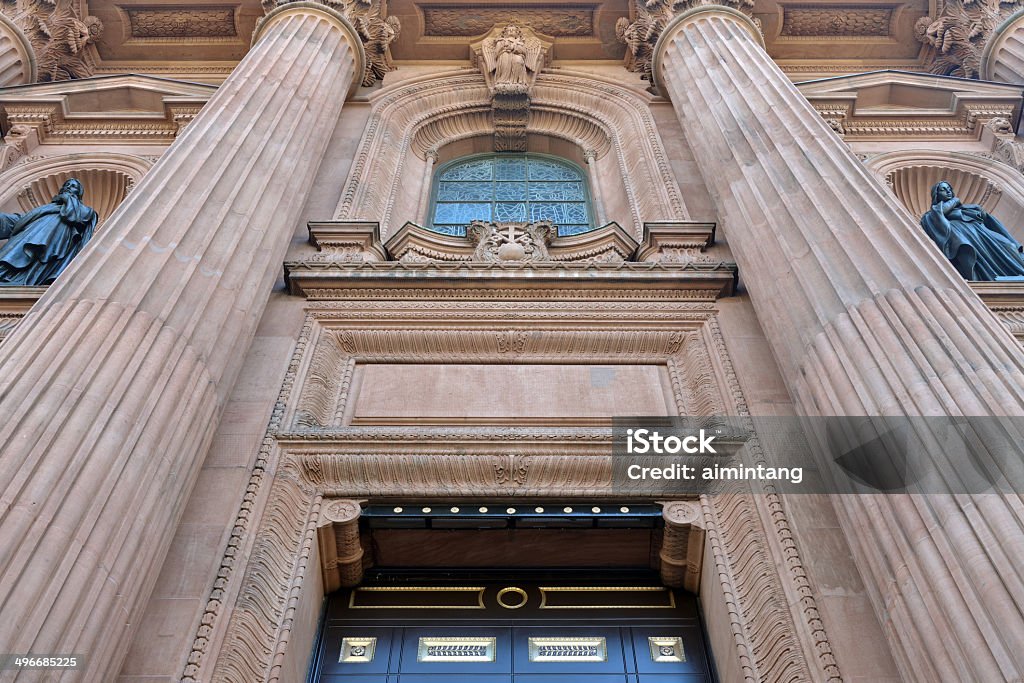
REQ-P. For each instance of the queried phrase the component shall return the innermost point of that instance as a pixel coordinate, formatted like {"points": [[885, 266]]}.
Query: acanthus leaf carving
{"points": [[960, 33], [61, 38]]}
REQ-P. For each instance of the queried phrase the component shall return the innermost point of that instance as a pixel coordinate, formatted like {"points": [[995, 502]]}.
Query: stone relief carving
{"points": [[182, 22], [511, 242], [824, 21], [960, 32], [62, 39], [651, 17], [454, 20], [510, 58], [376, 30]]}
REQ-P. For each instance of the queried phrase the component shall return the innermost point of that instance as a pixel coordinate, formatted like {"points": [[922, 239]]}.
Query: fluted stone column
{"points": [[865, 317], [17, 59], [1003, 58], [111, 387]]}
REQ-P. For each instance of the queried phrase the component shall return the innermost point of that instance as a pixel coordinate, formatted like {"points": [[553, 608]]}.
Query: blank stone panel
{"points": [[507, 394]]}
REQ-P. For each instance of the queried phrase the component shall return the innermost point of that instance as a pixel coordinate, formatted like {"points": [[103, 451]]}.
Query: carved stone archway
{"points": [[609, 124]]}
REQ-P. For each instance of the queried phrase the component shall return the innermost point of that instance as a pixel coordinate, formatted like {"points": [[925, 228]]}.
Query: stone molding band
{"points": [[691, 15], [305, 7]]}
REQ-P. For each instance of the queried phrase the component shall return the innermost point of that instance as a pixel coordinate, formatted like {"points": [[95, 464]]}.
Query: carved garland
{"points": [[260, 627]]}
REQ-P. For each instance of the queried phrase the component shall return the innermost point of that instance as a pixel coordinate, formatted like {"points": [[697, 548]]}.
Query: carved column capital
{"points": [[367, 21], [652, 20], [52, 41], [963, 34]]}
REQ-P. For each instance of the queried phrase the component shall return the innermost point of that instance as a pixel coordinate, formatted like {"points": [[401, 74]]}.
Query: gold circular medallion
{"points": [[523, 597]]}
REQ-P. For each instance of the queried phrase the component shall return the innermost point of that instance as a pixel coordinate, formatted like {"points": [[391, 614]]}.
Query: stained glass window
{"points": [[510, 188]]}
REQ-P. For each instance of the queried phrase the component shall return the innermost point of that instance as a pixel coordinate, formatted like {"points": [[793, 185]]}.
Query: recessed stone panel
{"points": [[506, 394]]}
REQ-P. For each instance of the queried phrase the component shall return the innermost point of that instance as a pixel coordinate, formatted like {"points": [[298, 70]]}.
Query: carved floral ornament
{"points": [[376, 30], [640, 33]]}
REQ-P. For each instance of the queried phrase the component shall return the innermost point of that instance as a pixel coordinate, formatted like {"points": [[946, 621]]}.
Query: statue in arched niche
{"points": [[41, 243], [977, 244]]}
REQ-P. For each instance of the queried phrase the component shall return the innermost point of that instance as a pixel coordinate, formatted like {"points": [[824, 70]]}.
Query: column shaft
{"points": [[865, 317], [113, 384]]}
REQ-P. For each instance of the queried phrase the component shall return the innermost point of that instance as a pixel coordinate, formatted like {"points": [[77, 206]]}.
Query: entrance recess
{"points": [[508, 630]]}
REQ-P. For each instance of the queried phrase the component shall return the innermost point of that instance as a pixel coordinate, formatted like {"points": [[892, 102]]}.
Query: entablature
{"points": [[898, 105]]}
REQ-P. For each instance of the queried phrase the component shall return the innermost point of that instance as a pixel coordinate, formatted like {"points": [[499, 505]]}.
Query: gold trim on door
{"points": [[443, 593], [548, 595]]}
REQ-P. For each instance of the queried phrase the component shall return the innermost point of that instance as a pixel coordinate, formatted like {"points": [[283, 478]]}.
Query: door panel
{"points": [[560, 633]]}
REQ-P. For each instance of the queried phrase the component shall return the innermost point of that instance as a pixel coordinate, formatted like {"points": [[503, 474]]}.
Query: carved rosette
{"points": [[61, 38], [960, 33], [510, 58], [376, 30], [649, 18]]}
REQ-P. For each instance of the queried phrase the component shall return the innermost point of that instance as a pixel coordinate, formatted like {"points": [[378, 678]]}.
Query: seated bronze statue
{"points": [[977, 244], [41, 243]]}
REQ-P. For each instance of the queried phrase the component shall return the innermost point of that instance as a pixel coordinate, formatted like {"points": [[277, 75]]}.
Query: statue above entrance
{"points": [[510, 58], [977, 244], [41, 243]]}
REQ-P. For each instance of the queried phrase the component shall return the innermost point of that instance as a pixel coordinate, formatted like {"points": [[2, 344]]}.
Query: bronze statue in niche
{"points": [[977, 244], [41, 243]]}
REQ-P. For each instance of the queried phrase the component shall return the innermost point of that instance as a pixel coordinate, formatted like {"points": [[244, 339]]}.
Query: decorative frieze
{"points": [[832, 21], [471, 20], [181, 21]]}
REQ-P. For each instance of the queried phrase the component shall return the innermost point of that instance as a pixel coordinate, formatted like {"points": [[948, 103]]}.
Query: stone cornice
{"points": [[64, 112], [350, 256]]}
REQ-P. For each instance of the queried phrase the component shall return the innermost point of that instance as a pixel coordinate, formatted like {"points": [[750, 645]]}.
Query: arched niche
{"points": [[998, 188], [603, 125], [106, 178]]}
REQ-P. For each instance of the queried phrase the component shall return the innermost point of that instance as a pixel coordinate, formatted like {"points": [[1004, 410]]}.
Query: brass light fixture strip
{"points": [[548, 592], [443, 593], [553, 649], [456, 649]]}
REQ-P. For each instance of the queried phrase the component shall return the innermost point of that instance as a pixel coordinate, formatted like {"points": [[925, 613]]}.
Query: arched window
{"points": [[510, 188]]}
